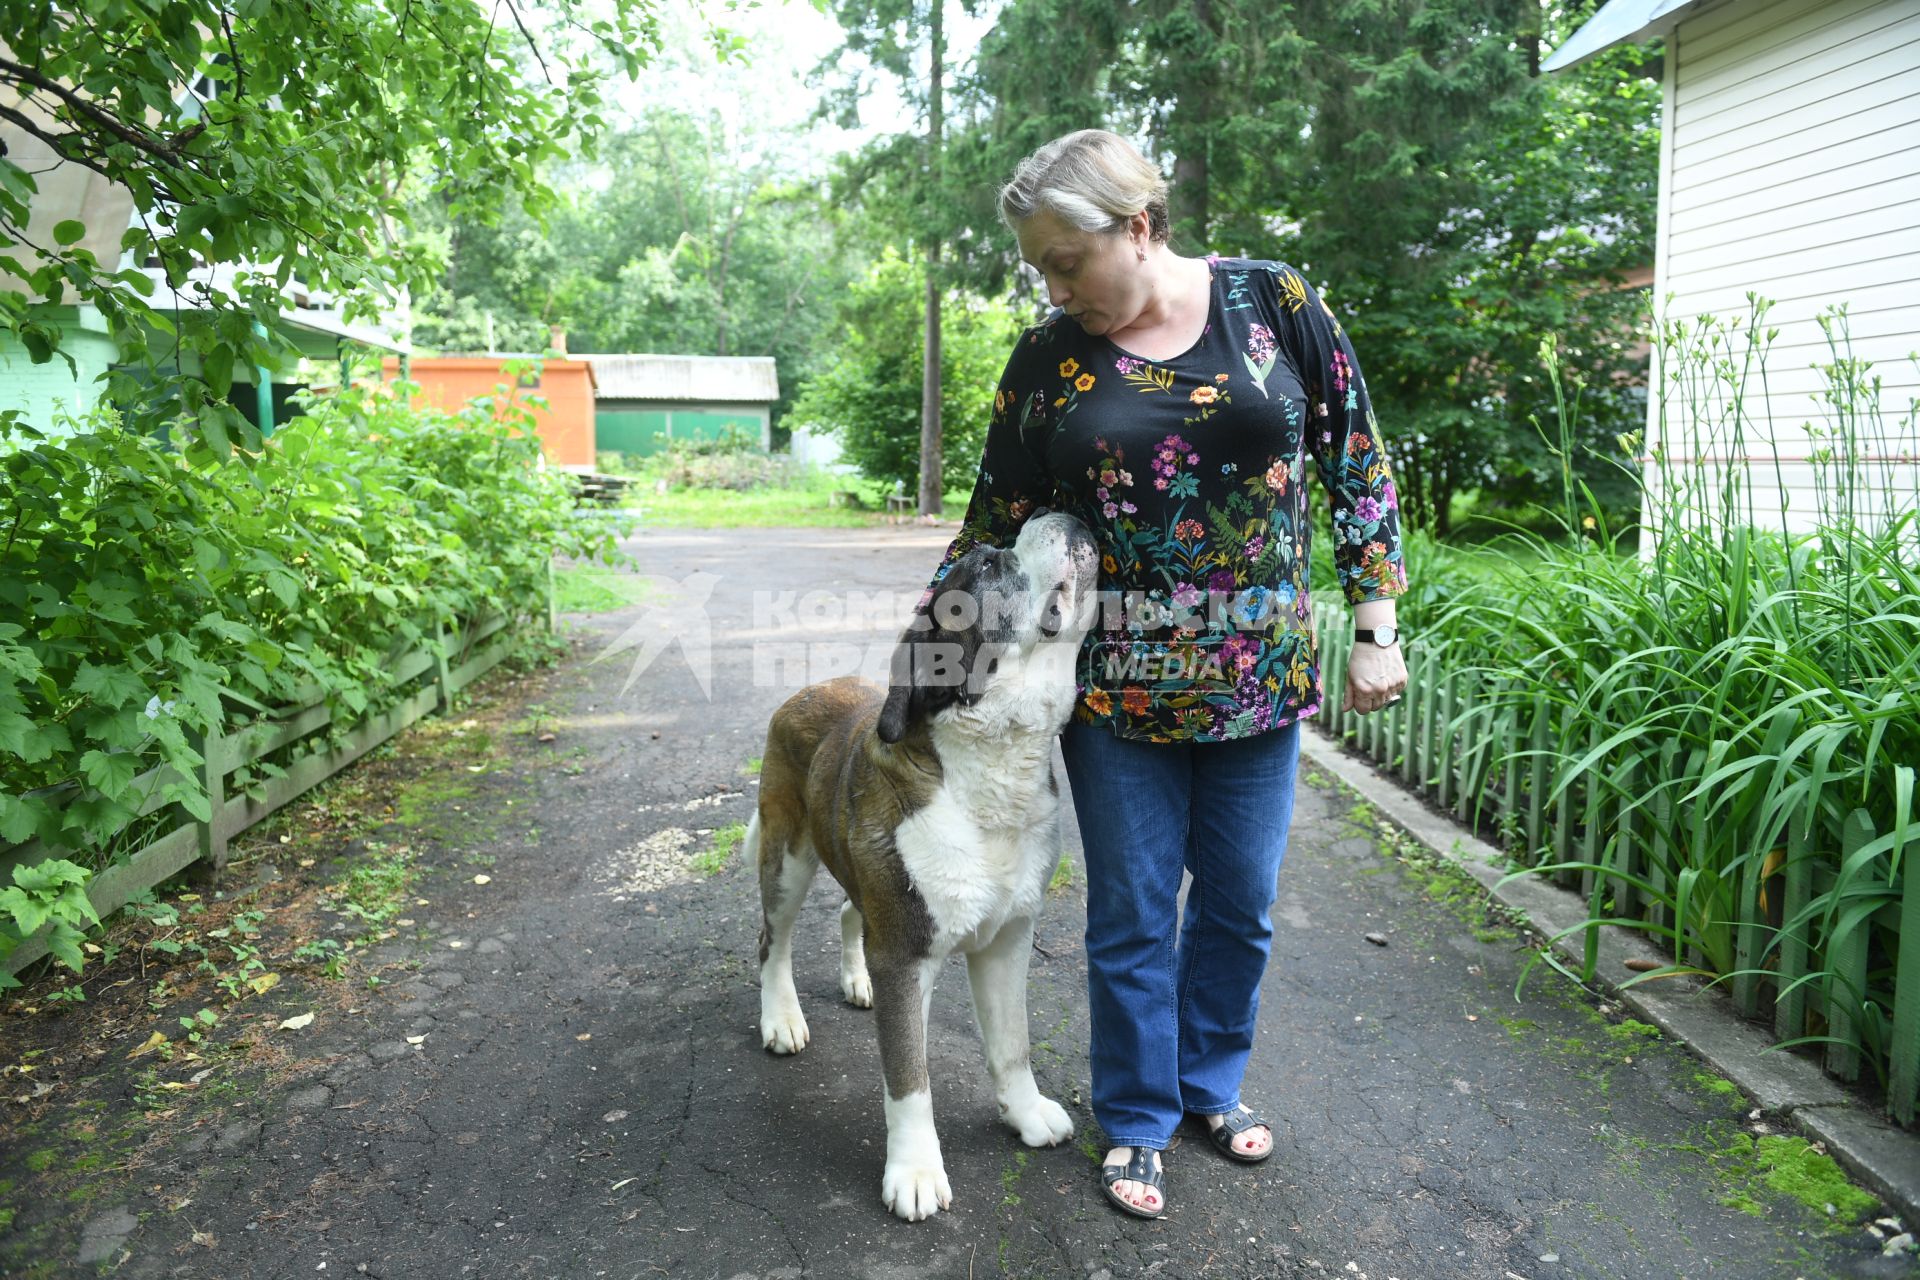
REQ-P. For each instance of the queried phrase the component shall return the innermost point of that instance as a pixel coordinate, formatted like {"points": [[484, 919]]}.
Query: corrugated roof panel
{"points": [[666, 377]]}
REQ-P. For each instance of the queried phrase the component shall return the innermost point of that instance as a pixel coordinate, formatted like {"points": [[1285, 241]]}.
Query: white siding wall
{"points": [[1791, 167]]}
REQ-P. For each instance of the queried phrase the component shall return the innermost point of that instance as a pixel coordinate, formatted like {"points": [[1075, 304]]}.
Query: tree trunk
{"points": [[930, 478], [1191, 127]]}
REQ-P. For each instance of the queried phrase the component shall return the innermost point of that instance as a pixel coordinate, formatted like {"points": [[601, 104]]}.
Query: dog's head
{"points": [[1008, 617]]}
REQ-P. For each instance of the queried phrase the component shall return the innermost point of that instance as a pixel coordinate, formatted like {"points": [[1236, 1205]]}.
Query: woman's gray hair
{"points": [[1093, 180]]}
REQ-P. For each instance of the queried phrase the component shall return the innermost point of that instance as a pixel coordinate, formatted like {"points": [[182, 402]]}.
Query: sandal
{"points": [[1138, 1169], [1232, 1125]]}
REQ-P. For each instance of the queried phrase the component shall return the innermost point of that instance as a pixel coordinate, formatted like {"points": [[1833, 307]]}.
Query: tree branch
{"points": [[168, 151], [528, 37]]}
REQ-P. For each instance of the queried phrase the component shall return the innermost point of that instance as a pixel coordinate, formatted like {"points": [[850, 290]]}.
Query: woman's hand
{"points": [[1375, 676]]}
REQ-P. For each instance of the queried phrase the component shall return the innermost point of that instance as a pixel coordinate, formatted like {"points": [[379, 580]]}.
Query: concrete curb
{"points": [[1881, 1155]]}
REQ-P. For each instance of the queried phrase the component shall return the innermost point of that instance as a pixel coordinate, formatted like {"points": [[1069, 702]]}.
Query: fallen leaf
{"points": [[546, 737], [416, 1039], [205, 1239], [613, 1117], [405, 922], [154, 1041], [305, 863], [483, 879], [295, 1023], [175, 1084], [476, 768], [198, 1076], [263, 983], [623, 1182], [456, 944], [586, 1035]]}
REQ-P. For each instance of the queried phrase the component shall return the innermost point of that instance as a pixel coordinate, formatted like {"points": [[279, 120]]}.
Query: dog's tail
{"points": [[750, 843]]}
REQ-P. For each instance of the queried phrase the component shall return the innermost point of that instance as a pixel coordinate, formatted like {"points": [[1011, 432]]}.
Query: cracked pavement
{"points": [[591, 1099]]}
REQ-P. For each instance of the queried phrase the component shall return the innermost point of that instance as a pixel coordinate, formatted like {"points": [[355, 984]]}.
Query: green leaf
{"points": [[217, 365], [29, 912], [70, 231], [108, 772], [63, 944], [108, 686]]}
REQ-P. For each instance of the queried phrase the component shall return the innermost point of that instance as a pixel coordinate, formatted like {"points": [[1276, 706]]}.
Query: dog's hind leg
{"points": [[787, 864], [854, 982], [998, 975]]}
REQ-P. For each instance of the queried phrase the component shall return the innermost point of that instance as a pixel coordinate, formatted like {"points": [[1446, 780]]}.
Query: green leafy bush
{"points": [[152, 596], [868, 397]]}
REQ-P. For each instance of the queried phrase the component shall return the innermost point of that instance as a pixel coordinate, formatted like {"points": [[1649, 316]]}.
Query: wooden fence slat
{"points": [[1662, 865], [1417, 694], [1562, 834], [211, 835], [1593, 812], [1627, 898], [1510, 738], [120, 884], [1537, 782], [179, 848], [1790, 1004], [1904, 1051], [1845, 986], [1747, 934]]}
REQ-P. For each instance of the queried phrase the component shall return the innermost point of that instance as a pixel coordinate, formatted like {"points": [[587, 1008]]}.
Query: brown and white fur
{"points": [[934, 805]]}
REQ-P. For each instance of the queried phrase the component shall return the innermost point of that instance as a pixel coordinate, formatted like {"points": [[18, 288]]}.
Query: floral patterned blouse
{"points": [[1190, 472]]}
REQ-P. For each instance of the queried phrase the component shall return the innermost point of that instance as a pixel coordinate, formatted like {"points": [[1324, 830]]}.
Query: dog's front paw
{"points": [[1041, 1123], [858, 989], [916, 1193], [783, 1030]]}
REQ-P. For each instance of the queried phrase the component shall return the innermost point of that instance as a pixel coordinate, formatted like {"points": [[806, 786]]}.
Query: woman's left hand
{"points": [[1375, 677]]}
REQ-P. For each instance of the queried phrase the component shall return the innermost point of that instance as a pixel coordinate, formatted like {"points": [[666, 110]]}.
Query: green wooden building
{"points": [[643, 401], [321, 337]]}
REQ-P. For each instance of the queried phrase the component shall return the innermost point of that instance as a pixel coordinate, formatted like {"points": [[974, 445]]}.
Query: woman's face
{"points": [[1096, 278]]}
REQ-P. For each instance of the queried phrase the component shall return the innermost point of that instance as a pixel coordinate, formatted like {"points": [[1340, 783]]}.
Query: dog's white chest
{"points": [[981, 851]]}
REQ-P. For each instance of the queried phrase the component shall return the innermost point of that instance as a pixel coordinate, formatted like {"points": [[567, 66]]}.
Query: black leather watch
{"points": [[1385, 637]]}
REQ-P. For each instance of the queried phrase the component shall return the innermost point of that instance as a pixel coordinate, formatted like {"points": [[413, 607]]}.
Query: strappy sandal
{"points": [[1140, 1168], [1232, 1125]]}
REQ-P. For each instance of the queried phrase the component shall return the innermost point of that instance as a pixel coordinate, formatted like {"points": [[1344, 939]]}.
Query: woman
{"points": [[1171, 403]]}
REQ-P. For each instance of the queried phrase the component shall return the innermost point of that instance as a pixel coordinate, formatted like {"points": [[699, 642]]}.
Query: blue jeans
{"points": [[1173, 1017]]}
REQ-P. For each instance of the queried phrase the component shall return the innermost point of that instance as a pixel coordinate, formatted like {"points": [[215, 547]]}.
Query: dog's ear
{"points": [[930, 673], [902, 700], [896, 713]]}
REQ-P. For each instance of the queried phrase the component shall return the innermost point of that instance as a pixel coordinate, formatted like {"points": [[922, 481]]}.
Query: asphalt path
{"points": [[591, 1099]]}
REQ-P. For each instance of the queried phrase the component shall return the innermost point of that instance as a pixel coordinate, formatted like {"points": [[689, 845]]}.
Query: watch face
{"points": [[1384, 636]]}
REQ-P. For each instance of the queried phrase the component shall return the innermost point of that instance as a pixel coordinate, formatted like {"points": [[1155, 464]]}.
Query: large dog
{"points": [[933, 803]]}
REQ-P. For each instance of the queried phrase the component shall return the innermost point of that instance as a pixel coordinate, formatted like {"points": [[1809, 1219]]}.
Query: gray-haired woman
{"points": [[1171, 404]]}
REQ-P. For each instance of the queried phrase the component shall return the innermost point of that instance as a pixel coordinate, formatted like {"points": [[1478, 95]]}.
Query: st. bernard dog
{"points": [[933, 803]]}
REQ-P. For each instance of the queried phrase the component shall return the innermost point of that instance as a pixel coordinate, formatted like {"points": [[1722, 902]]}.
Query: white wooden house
{"points": [[1789, 166]]}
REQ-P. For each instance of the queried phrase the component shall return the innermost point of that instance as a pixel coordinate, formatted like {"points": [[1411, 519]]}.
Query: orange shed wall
{"points": [[565, 426]]}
